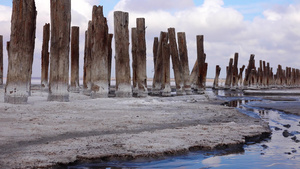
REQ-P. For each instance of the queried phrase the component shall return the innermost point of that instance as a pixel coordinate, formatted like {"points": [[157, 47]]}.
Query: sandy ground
{"points": [[42, 134]]}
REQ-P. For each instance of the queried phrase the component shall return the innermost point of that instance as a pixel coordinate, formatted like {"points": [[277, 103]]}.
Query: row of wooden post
{"points": [[261, 77]]}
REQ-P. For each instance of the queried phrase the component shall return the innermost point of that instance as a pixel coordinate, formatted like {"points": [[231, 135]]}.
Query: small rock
{"points": [[287, 126], [277, 128], [294, 151], [294, 138], [262, 153], [288, 153], [285, 133]]}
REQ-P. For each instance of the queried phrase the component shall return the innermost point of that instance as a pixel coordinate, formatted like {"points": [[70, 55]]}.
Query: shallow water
{"points": [[281, 150]]}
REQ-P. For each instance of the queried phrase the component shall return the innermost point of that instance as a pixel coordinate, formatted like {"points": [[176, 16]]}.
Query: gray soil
{"points": [[44, 134]]}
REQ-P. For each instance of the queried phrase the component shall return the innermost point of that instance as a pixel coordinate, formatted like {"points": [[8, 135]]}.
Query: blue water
{"points": [[275, 152]]}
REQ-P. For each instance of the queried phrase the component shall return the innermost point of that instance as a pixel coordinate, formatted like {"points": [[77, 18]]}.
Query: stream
{"points": [[281, 150]]}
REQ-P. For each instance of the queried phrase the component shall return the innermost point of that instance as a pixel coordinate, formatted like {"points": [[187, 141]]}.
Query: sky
{"points": [[267, 28]]}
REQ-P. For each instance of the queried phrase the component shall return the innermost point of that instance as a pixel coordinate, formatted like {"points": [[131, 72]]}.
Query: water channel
{"points": [[281, 150]]}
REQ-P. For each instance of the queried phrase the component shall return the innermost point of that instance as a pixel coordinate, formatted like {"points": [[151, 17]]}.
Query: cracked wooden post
{"points": [[177, 67], [194, 75], [235, 71], [155, 49], [75, 60], [45, 56], [59, 51], [1, 61], [123, 81], [21, 50], [228, 81], [159, 65], [201, 65], [134, 61], [141, 59], [109, 60], [99, 65], [183, 54], [216, 81], [241, 75], [87, 84], [166, 83], [251, 65]]}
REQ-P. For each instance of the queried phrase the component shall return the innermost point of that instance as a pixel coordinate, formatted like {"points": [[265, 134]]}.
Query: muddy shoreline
{"points": [[43, 134]]}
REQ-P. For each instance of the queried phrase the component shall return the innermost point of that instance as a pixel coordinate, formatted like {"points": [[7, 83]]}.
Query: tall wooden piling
{"points": [[183, 54], [141, 59], [241, 75], [1, 60], [159, 65], [99, 65], [251, 65], [21, 50], [123, 84], [177, 67], [228, 81], [59, 50], [75, 60], [134, 61], [109, 59], [235, 71], [201, 65], [216, 81], [45, 56], [166, 83], [194, 75], [87, 84], [155, 49]]}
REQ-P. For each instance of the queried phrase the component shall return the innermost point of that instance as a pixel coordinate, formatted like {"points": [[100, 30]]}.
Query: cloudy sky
{"points": [[267, 28]]}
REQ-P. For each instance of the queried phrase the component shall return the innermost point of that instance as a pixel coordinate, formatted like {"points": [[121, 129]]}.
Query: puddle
{"points": [[281, 150]]}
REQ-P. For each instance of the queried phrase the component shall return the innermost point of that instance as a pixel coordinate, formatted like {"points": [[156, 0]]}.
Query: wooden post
{"points": [[99, 65], [235, 71], [201, 64], [59, 51], [109, 60], [1, 61], [216, 81], [183, 54], [177, 67], [194, 75], [159, 65], [134, 61], [21, 50], [251, 65], [241, 75], [123, 84], [166, 84], [155, 48], [228, 81], [45, 56], [87, 84], [141, 59], [75, 60]]}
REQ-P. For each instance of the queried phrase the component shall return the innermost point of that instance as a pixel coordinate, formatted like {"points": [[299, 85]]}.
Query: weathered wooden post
{"points": [[228, 81], [123, 84], [159, 65], [141, 59], [155, 48], [134, 61], [216, 81], [59, 51], [251, 66], [21, 50], [177, 67], [194, 75], [235, 71], [109, 60], [45, 56], [241, 75], [183, 54], [166, 83], [201, 64], [75, 60], [99, 65], [87, 84], [1, 60]]}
